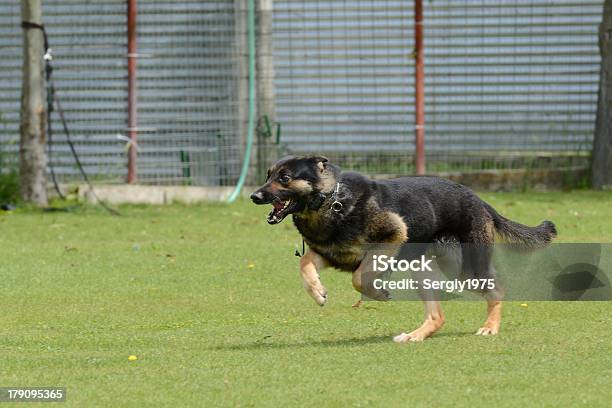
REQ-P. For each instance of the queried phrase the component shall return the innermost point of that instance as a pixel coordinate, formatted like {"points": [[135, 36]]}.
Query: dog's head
{"points": [[292, 183]]}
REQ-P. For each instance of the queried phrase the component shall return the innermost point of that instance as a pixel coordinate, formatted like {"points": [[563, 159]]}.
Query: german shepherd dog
{"points": [[338, 213]]}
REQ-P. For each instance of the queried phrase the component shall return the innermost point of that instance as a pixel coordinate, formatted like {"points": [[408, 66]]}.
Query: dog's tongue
{"points": [[278, 205]]}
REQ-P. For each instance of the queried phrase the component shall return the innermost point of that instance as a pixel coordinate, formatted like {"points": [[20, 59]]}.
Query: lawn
{"points": [[209, 299]]}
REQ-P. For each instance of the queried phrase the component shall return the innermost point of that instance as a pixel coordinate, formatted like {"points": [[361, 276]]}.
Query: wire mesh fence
{"points": [[187, 85], [509, 84], [188, 82], [88, 47]]}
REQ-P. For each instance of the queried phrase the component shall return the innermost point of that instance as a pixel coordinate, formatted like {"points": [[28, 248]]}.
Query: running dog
{"points": [[339, 213]]}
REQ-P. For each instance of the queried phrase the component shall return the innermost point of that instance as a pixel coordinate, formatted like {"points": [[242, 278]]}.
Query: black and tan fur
{"points": [[402, 210]]}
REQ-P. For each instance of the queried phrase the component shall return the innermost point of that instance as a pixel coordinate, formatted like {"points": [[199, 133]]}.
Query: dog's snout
{"points": [[258, 197]]}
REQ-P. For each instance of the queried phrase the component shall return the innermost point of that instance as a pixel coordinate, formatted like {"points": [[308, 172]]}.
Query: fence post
{"points": [[242, 71], [265, 86], [601, 167], [419, 85], [132, 55], [32, 157]]}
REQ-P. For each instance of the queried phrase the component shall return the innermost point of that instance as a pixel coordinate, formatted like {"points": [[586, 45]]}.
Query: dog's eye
{"points": [[284, 179]]}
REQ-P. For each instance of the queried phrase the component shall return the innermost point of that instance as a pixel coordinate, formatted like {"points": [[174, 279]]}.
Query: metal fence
{"points": [[509, 84], [187, 89], [88, 42], [188, 85]]}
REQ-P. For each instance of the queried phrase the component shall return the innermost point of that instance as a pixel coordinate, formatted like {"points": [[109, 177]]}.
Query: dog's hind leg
{"points": [[477, 263], [434, 317], [434, 320], [310, 265], [491, 326]]}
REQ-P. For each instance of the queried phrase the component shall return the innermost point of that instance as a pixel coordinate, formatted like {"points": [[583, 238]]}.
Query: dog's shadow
{"points": [[267, 343]]}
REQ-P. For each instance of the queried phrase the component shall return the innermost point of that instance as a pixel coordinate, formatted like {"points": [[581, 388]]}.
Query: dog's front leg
{"points": [[310, 265], [363, 282]]}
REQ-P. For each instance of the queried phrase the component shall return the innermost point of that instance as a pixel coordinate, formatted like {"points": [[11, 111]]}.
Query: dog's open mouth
{"points": [[280, 209]]}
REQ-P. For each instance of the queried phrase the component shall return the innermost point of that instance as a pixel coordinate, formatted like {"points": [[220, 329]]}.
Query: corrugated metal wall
{"points": [[10, 82], [503, 79]]}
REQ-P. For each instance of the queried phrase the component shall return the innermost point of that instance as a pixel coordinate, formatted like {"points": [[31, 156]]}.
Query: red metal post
{"points": [[419, 85], [132, 95]]}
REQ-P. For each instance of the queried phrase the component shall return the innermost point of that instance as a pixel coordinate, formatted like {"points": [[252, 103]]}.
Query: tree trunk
{"points": [[601, 170], [32, 157]]}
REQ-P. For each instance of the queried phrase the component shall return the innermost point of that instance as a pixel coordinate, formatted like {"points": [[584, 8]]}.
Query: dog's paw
{"points": [[380, 295], [317, 292], [383, 295], [365, 285], [487, 331], [417, 335]]}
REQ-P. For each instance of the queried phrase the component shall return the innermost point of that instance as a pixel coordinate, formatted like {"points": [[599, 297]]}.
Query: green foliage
{"points": [[9, 187], [9, 178], [209, 299]]}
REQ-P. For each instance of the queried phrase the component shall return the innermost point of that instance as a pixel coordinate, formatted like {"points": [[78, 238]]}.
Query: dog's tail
{"points": [[516, 233]]}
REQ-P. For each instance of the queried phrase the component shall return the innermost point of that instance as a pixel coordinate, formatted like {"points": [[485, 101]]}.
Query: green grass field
{"points": [[209, 299]]}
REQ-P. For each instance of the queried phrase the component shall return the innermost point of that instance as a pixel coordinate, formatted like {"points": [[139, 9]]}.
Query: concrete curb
{"points": [[157, 195]]}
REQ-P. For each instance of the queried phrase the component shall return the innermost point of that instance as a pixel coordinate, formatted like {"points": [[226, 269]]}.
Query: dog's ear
{"points": [[320, 161]]}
